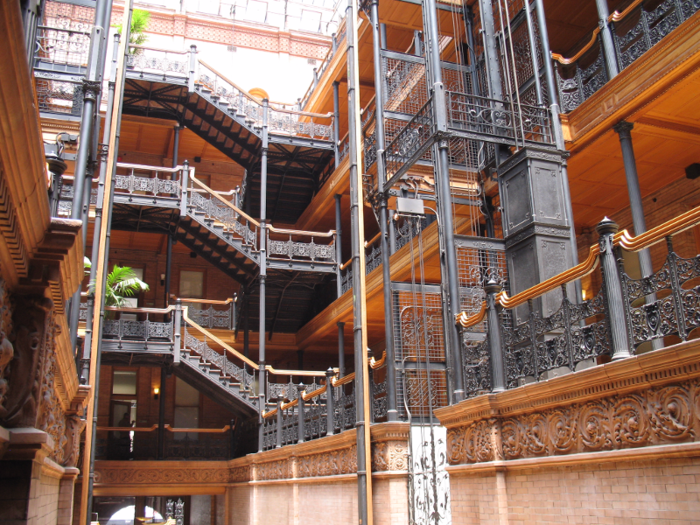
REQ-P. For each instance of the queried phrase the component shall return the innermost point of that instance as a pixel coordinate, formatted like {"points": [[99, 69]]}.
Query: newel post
{"points": [[279, 421], [614, 299], [300, 388], [177, 324], [498, 375], [330, 409], [184, 180]]}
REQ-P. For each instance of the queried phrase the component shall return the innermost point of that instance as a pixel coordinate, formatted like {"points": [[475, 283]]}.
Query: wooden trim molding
{"points": [[648, 400]]}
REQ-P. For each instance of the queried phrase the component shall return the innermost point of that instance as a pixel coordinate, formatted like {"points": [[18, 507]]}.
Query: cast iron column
{"points": [[161, 413], [613, 290], [336, 123], [341, 349], [498, 375], [606, 33], [168, 269], [392, 414]]}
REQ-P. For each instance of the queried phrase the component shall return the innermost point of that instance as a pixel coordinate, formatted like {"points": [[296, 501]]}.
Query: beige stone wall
{"points": [[43, 503], [642, 492]]}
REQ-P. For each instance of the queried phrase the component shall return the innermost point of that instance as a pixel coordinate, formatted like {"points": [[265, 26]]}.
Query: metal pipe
{"points": [[176, 144], [364, 468], [606, 33], [392, 413], [168, 269]]}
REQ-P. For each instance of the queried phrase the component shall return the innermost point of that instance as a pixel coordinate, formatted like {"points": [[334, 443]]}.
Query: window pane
{"points": [[191, 284], [124, 383], [185, 395]]}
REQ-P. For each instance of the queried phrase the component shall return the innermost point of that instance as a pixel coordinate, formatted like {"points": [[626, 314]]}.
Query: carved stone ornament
{"points": [[331, 463], [134, 475], [657, 416], [7, 351], [23, 373]]}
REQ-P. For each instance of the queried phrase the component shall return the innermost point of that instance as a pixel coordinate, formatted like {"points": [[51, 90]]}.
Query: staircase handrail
{"points": [[159, 49], [233, 84], [216, 195], [223, 345], [131, 310], [164, 169]]}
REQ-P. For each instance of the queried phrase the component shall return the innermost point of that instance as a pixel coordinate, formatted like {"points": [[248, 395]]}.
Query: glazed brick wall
{"points": [[316, 503], [649, 492]]}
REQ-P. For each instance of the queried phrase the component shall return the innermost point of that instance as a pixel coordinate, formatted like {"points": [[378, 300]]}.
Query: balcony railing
{"points": [[636, 30], [624, 314]]}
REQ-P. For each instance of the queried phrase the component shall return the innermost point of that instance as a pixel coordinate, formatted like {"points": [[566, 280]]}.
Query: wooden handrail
{"points": [[566, 61], [315, 393], [146, 167], [644, 240], [617, 16], [211, 336], [346, 264], [204, 301], [128, 429], [227, 203], [141, 310], [198, 430], [161, 50], [287, 231], [373, 240], [302, 373], [471, 320], [376, 364], [343, 380]]}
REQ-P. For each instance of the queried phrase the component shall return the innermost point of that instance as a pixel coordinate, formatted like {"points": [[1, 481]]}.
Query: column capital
{"points": [[624, 128]]}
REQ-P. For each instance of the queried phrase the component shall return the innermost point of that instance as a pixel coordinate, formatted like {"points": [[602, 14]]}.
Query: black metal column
{"points": [[168, 269], [444, 205], [606, 34], [493, 73], [336, 124], [262, 374], [533, 52], [339, 242], [498, 375], [392, 414], [341, 349], [161, 413]]}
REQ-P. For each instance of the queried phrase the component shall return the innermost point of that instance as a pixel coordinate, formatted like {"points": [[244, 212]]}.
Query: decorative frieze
{"points": [[637, 408]]}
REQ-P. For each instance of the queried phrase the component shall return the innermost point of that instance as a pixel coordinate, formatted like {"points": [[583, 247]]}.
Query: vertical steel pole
{"points": [[606, 33], [364, 467], [341, 349], [161, 413], [262, 372], [330, 408], [493, 72], [102, 237], [168, 269], [392, 414], [533, 52], [339, 242], [336, 123], [444, 203]]}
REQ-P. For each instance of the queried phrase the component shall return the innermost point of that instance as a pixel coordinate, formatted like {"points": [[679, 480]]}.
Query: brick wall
{"points": [[640, 492]]}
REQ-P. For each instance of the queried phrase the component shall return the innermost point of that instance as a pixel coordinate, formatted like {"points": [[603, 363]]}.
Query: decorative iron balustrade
{"points": [[214, 318], [58, 93], [624, 314], [161, 61], [233, 221], [296, 124], [61, 47], [127, 330], [404, 83], [240, 102], [412, 141], [497, 119], [160, 182], [65, 203], [370, 151], [635, 31], [281, 245]]}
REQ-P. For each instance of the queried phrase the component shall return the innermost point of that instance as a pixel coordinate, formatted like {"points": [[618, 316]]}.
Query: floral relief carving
{"points": [[134, 475], [389, 455], [667, 414], [273, 470], [239, 474], [332, 463]]}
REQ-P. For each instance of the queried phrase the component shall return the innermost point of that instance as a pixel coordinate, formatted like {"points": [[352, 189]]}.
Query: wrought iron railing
{"points": [[311, 414], [636, 30], [625, 313], [166, 62], [149, 181], [212, 314], [58, 48], [297, 245], [497, 119]]}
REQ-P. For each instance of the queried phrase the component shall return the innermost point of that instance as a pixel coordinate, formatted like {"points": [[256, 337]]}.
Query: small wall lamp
{"points": [[156, 391]]}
